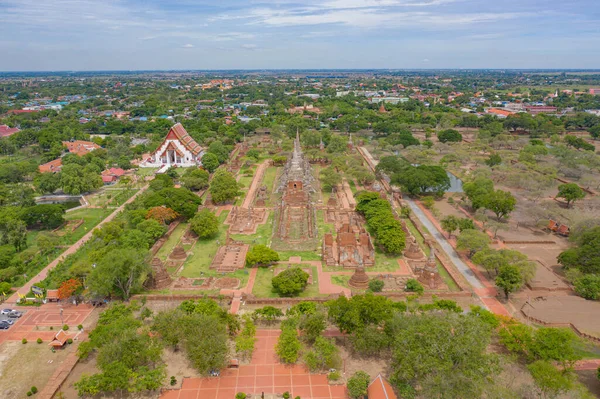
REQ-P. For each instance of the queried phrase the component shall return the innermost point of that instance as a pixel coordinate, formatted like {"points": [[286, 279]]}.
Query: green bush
{"points": [[173, 380], [51, 328], [290, 282], [240, 395], [413, 285], [286, 395], [34, 390], [39, 341], [29, 393], [80, 327], [24, 341], [69, 341], [376, 285], [334, 376], [65, 327]]}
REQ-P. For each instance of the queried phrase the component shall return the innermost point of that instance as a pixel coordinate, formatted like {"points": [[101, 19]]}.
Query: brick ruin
{"points": [[359, 279], [245, 221], [230, 257], [427, 272], [351, 248], [159, 278], [296, 215]]}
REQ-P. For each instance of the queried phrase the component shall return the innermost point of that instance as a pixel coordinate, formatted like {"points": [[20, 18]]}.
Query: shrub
{"points": [[29, 393], [240, 395], [51, 328], [334, 376], [290, 282], [34, 390], [65, 327], [358, 384], [286, 395], [413, 285], [39, 341], [428, 202], [173, 380], [376, 285], [69, 341], [80, 327], [24, 341]]}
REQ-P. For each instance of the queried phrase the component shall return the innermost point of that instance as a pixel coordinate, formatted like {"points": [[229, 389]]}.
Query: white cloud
{"points": [[249, 46], [188, 45]]}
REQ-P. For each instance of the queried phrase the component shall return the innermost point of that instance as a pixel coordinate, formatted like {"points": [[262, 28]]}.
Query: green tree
{"points": [[261, 255], [288, 346], [120, 272], [337, 144], [509, 279], [181, 200], [551, 381], [360, 311], [210, 162], [323, 356], [47, 183], [330, 178], [472, 241], [502, 203], [223, 187], [376, 285], [47, 242], [44, 216], [493, 160], [423, 179], [194, 179], [267, 313], [152, 229], [588, 286], [312, 325], [413, 285], [449, 135], [76, 180], [450, 224], [290, 282], [586, 256], [358, 384], [477, 191], [205, 224], [571, 192]]}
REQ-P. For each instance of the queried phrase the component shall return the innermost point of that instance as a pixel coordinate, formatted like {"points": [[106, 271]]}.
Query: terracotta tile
{"points": [[280, 390], [316, 379], [264, 370], [211, 383], [298, 369], [247, 370], [225, 394], [303, 392], [300, 379], [191, 383], [245, 382], [320, 392], [258, 389], [228, 382], [230, 373], [207, 394], [282, 380], [280, 369], [338, 391], [188, 394]]}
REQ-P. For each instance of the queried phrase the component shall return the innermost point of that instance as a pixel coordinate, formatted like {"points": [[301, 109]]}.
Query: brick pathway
{"points": [[59, 376], [254, 186], [264, 374], [71, 250]]}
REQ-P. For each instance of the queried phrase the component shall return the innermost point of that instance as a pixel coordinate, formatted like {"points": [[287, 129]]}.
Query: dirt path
{"points": [[254, 186], [71, 250]]}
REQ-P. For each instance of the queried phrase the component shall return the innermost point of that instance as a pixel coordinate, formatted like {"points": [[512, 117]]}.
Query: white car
{"points": [[7, 311], [8, 321]]}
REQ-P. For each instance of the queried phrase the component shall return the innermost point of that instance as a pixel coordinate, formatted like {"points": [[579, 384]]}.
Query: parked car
{"points": [[4, 326], [8, 321], [7, 311], [15, 314]]}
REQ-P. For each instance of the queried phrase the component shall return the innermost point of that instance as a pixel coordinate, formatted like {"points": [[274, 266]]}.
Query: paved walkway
{"points": [[265, 375], [255, 185], [71, 250]]}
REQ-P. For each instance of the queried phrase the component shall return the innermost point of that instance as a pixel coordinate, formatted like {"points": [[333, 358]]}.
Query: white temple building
{"points": [[177, 149]]}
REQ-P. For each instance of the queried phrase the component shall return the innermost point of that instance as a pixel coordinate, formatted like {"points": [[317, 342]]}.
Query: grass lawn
{"points": [[305, 255], [263, 288], [342, 281], [269, 181], [202, 254], [352, 186], [91, 217], [323, 227], [166, 249], [143, 172]]}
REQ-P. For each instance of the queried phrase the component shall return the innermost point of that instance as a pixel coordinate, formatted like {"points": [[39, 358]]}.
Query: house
{"points": [[500, 113], [177, 149], [51, 167], [111, 176], [6, 131], [380, 388], [60, 339], [108, 179], [52, 295], [595, 91], [303, 109], [541, 109], [80, 147]]}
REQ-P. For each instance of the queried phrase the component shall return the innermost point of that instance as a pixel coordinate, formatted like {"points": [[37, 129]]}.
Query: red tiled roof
{"points": [[108, 179], [21, 111], [380, 388], [6, 131], [178, 132], [51, 167], [499, 111], [118, 172], [60, 339], [80, 147]]}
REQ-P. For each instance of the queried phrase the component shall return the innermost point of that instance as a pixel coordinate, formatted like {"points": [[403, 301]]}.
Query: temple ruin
{"points": [[296, 214], [159, 278], [230, 257], [352, 247], [245, 221]]}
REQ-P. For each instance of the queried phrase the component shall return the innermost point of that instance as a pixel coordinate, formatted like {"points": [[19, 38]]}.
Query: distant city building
{"points": [[6, 131], [80, 147], [595, 91]]}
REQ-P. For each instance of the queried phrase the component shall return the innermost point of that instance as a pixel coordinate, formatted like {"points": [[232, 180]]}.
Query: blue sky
{"points": [[38, 35]]}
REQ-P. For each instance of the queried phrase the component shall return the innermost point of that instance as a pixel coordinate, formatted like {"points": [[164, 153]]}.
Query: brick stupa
{"points": [[359, 279]]}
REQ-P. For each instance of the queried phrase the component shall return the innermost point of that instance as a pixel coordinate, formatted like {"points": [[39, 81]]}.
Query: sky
{"points": [[78, 35]]}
